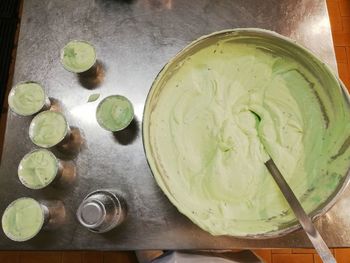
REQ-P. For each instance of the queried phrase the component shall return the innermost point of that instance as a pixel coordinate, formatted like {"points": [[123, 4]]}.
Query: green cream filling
{"points": [[114, 113], [78, 56], [22, 219], [38, 169], [205, 142], [26, 98], [48, 129]]}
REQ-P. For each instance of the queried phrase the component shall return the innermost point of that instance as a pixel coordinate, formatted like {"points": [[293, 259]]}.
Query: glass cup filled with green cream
{"points": [[49, 128], [78, 56], [114, 113], [23, 219], [39, 168], [28, 98]]}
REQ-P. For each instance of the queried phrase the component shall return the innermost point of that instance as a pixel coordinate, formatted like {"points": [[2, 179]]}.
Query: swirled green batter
{"points": [[114, 113], [26, 98], [78, 56], [22, 219], [38, 169], [48, 128], [205, 142]]}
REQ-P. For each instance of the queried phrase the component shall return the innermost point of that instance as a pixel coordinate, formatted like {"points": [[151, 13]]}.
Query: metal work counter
{"points": [[134, 39]]}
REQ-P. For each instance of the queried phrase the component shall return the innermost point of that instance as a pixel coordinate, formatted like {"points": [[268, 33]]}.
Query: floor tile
{"points": [[345, 21], [303, 251], [348, 54], [92, 257], [72, 257], [344, 74], [344, 6], [281, 250], [341, 39], [334, 15], [119, 257], [9, 257], [264, 254], [292, 258], [340, 53], [40, 257], [343, 69], [342, 255], [317, 259]]}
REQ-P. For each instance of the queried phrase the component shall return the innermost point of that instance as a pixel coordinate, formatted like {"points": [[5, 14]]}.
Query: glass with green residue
{"points": [[28, 98], [78, 56], [114, 113]]}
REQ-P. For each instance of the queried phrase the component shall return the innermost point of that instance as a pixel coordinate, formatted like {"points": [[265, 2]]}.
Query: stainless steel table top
{"points": [[134, 39]]}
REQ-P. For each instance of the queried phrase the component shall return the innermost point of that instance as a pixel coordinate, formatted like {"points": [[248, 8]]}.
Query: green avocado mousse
{"points": [[38, 169], [78, 56], [114, 113], [23, 219], [27, 98], [203, 142], [48, 129]]}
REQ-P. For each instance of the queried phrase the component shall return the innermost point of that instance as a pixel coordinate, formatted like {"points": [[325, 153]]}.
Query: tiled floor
{"points": [[67, 257], [339, 11]]}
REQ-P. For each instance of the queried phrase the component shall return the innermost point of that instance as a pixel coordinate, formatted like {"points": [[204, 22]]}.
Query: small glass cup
{"points": [[114, 113], [28, 98], [25, 217], [48, 129], [102, 210], [78, 56], [40, 168]]}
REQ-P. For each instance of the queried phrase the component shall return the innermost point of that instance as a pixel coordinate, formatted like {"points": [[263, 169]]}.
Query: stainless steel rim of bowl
{"points": [[323, 208]]}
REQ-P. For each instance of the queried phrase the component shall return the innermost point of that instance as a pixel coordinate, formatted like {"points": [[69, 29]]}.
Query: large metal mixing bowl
{"points": [[272, 41]]}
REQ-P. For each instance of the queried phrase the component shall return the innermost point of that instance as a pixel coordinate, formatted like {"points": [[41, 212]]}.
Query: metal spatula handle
{"points": [[314, 236]]}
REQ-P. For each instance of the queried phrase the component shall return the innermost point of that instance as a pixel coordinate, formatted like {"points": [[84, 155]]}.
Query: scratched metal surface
{"points": [[134, 39]]}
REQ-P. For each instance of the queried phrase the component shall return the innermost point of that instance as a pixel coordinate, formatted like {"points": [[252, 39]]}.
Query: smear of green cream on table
{"points": [[93, 97]]}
